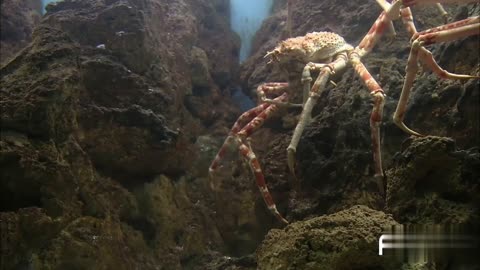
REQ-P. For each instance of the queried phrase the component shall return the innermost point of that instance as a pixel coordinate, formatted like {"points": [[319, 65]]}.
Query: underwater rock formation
{"points": [[18, 18], [345, 240], [432, 182], [113, 112], [94, 110]]}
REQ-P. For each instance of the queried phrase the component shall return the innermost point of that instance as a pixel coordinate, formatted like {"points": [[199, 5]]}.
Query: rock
{"points": [[90, 243], [433, 182], [219, 262], [345, 240], [199, 68], [173, 225], [18, 18], [93, 111]]}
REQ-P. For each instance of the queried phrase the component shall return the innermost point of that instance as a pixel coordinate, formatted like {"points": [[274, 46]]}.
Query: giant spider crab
{"points": [[328, 53]]}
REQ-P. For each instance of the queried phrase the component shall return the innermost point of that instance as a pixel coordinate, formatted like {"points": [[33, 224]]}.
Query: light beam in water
{"points": [[246, 18]]}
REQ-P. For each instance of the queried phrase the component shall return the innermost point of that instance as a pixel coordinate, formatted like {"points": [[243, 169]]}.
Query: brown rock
{"points": [[18, 18], [345, 240]]}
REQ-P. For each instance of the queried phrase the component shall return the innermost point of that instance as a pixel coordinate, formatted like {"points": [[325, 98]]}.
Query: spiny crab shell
{"points": [[317, 47]]}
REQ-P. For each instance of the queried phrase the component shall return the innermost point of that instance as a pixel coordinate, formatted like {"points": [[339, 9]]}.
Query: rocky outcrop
{"points": [[345, 240], [99, 135], [433, 182], [18, 18]]}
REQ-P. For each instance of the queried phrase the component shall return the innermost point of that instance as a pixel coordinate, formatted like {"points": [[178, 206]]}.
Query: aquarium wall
{"points": [[246, 18]]}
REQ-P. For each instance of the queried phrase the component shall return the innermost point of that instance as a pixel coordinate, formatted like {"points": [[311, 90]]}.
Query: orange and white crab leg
{"points": [[252, 160], [258, 121], [407, 19], [256, 117], [238, 126], [377, 111], [307, 77], [452, 25], [339, 64], [273, 88], [450, 32], [376, 31], [446, 33], [409, 3]]}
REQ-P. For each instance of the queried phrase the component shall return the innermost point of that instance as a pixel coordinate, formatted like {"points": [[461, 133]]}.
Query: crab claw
{"points": [[291, 151], [273, 52]]}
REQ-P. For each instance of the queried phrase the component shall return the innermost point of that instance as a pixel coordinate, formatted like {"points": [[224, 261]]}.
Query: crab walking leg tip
{"points": [[277, 214], [456, 76], [211, 181], [291, 151], [407, 130]]}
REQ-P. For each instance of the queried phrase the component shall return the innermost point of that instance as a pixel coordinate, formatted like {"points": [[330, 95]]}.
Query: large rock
{"points": [[18, 18], [433, 182], [345, 240], [93, 110]]}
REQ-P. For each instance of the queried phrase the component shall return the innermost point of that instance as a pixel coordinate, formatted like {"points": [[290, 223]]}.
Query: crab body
{"points": [[318, 47]]}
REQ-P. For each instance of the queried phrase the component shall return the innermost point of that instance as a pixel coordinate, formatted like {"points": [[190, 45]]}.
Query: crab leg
{"points": [[384, 4], [237, 127], [241, 121], [252, 160], [418, 52], [250, 157], [443, 12], [407, 19], [317, 89], [409, 3], [377, 111], [255, 117], [467, 21], [273, 88], [307, 77], [376, 31]]}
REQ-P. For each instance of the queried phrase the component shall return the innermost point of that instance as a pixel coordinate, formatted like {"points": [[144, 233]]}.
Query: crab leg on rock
{"points": [[448, 32]]}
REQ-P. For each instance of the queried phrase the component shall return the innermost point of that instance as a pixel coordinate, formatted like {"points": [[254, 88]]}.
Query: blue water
{"points": [[46, 2], [243, 101], [246, 18]]}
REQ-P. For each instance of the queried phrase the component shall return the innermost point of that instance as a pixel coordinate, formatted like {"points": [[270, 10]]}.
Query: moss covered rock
{"points": [[345, 240]]}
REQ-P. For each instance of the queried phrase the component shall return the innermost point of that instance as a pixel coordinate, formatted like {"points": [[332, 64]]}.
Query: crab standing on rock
{"points": [[328, 53]]}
